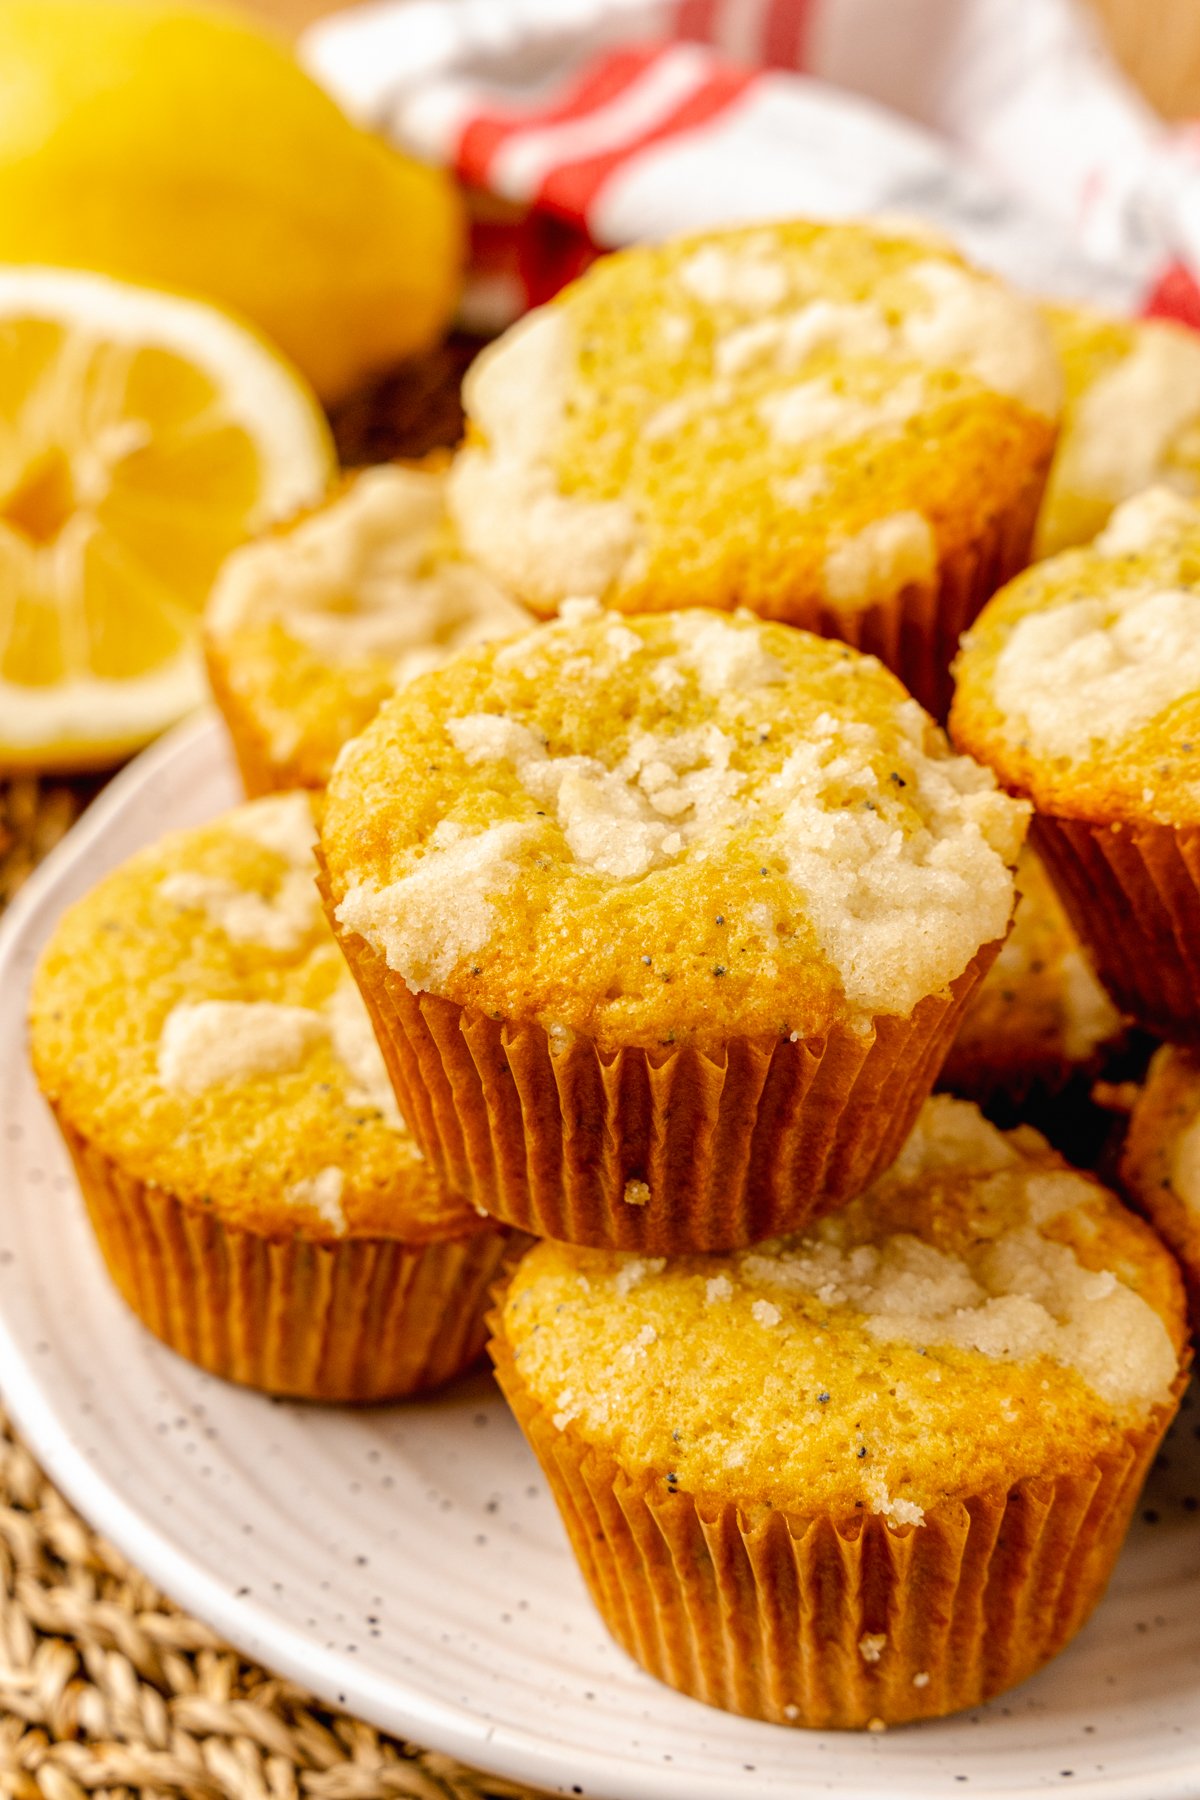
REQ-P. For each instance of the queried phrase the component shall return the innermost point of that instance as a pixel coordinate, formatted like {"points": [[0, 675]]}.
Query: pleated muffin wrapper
{"points": [[664, 1151], [1132, 892], [833, 1623], [348, 1319], [916, 630]]}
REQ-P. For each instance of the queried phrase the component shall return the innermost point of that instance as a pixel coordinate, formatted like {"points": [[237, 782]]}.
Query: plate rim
{"points": [[395, 1706]]}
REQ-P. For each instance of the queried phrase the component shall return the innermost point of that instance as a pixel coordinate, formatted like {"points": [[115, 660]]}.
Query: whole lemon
{"points": [[181, 146]]}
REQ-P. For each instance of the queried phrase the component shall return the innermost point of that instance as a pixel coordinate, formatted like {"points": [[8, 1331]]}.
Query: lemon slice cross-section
{"points": [[142, 437]]}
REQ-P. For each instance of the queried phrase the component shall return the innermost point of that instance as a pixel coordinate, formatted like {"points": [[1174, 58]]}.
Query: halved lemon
{"points": [[142, 437]]}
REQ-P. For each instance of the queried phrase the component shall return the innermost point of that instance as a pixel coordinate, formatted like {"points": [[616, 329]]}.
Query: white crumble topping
{"points": [[753, 280], [799, 491], [716, 1289], [901, 878], [1098, 669], [921, 1678], [951, 1135], [209, 1042], [283, 823], [356, 1048], [871, 1645], [370, 578], [637, 1193], [667, 678], [568, 1409], [765, 1313], [767, 325], [896, 913], [676, 330], [1016, 1296], [820, 409], [879, 560], [895, 1509], [979, 325], [636, 1269], [503, 491], [1089, 1016], [623, 642], [725, 657], [443, 910], [1155, 517], [281, 921], [1125, 423], [323, 1193], [784, 342], [665, 792]]}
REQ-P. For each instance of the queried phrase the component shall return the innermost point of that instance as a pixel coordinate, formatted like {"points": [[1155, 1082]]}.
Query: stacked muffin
{"points": [[666, 913]]}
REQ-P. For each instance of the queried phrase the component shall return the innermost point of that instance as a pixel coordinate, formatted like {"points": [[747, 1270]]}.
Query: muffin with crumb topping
{"points": [[1160, 1163], [1040, 1017], [665, 921], [875, 1473], [1080, 685], [309, 629], [832, 424], [1131, 418], [258, 1199]]}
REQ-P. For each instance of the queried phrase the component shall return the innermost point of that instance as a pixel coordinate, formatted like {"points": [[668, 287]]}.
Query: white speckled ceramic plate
{"points": [[407, 1563]]}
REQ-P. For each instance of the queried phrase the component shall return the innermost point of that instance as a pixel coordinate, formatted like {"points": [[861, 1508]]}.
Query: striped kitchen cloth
{"points": [[581, 125]]}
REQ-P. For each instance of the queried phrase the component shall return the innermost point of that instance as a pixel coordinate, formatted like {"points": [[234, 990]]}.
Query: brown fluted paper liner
{"points": [[1133, 895], [837, 1624], [915, 632], [350, 1319], [255, 765], [735, 1146]]}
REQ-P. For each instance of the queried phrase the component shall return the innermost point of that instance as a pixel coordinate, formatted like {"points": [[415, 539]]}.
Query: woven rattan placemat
{"points": [[106, 1689]]}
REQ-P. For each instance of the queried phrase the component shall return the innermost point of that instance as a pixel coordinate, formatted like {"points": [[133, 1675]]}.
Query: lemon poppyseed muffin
{"points": [[255, 1192], [874, 1473], [1040, 1015], [309, 629], [1131, 419], [833, 425], [665, 921], [1080, 685]]}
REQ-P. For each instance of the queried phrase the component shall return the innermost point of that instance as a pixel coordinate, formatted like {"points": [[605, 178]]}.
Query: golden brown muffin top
{"points": [[753, 416], [983, 1314], [1131, 419], [1160, 1163], [310, 628], [674, 828], [1080, 681], [1040, 1011], [194, 1019]]}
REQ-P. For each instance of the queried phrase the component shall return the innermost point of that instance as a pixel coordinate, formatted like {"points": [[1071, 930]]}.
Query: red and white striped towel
{"points": [[578, 124]]}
